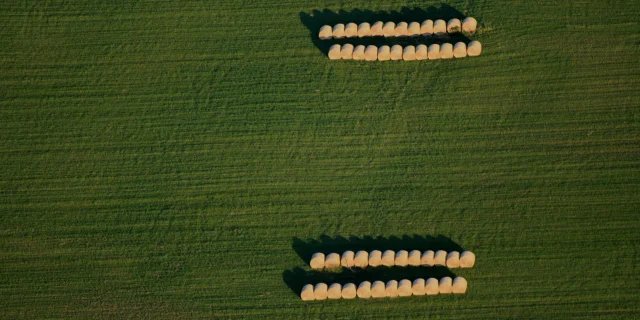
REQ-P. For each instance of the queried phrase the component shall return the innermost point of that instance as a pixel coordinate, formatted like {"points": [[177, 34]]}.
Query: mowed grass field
{"points": [[159, 159]]}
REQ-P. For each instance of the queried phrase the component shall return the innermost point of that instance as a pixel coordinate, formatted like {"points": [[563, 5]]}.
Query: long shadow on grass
{"points": [[317, 18]]}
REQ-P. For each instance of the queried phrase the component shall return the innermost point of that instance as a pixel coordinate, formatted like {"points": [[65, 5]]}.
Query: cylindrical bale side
{"points": [[361, 260], [389, 256], [364, 30], [454, 26], [417, 287], [401, 29], [326, 32], [460, 50], [338, 31], [371, 53], [404, 288], [335, 291], [364, 290], [346, 52], [375, 258], [307, 293], [414, 29], [351, 30], [474, 49], [349, 291], [421, 54], [391, 288], [439, 27], [434, 51], [358, 53], [426, 28], [446, 51], [389, 29], [317, 259], [376, 29], [469, 25], [384, 54], [320, 291]]}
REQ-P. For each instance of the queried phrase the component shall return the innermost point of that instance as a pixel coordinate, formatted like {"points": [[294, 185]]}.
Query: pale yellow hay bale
{"points": [[361, 260], [335, 291], [446, 51], [469, 25], [320, 291], [349, 291], [364, 290], [401, 29], [460, 50], [408, 54], [417, 287], [326, 32], [307, 293], [389, 256], [347, 258], [371, 53], [364, 29], [396, 52], [351, 30], [431, 286], [317, 259], [346, 52], [454, 25], [384, 54], [427, 257], [389, 29], [391, 288], [421, 54], [334, 52], [378, 289], [439, 27], [414, 255], [445, 285], [440, 258], [404, 288], [459, 285], [467, 259], [338, 31], [376, 29], [426, 28], [474, 48], [414, 29], [358, 53], [375, 258], [433, 52], [332, 261], [402, 256], [453, 259]]}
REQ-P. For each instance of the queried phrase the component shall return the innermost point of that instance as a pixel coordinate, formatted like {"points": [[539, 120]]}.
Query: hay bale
{"points": [[391, 288], [346, 52], [408, 54], [414, 29], [402, 256], [421, 53], [335, 291], [427, 256], [467, 259], [364, 290], [375, 258], [459, 285], [371, 53], [334, 52], [384, 54], [446, 51], [439, 27], [326, 32], [396, 52], [332, 261], [433, 52], [389, 256], [364, 29], [389, 29], [376, 29], [404, 288], [378, 289], [445, 285], [358, 53], [402, 29], [338, 31], [361, 260], [347, 258], [440, 258], [414, 255], [431, 287], [454, 26], [426, 28], [453, 259], [320, 291], [474, 49], [349, 291], [417, 287], [469, 25], [351, 30], [460, 50], [317, 259], [307, 293]]}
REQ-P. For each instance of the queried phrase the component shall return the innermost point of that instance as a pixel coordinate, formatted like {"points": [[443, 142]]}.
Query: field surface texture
{"points": [[182, 159]]}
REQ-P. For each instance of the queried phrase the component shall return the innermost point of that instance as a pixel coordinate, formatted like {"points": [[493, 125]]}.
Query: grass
{"points": [[159, 159]]}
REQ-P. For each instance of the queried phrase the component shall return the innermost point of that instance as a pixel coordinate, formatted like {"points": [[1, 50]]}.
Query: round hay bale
{"points": [[335, 291], [391, 288], [414, 255], [414, 29], [446, 51], [402, 29], [371, 53], [375, 258], [460, 50], [307, 293], [320, 291], [378, 289], [427, 257], [467, 259], [364, 29], [439, 27], [408, 54], [317, 259], [431, 287], [349, 291], [402, 256], [440, 258], [404, 288], [351, 30], [474, 49], [364, 290], [433, 51], [376, 29], [426, 28], [384, 54], [332, 261], [469, 25], [338, 31], [334, 52], [453, 259], [396, 52], [361, 260], [358, 53], [347, 258], [346, 52], [459, 285], [454, 26], [389, 29], [326, 32], [389, 256], [421, 54], [445, 285], [417, 287]]}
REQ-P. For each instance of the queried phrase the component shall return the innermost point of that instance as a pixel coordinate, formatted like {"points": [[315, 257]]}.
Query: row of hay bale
{"points": [[379, 289], [390, 258], [408, 53], [401, 29]]}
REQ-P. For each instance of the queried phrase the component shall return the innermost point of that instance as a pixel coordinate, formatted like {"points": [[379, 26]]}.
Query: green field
{"points": [[177, 159]]}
